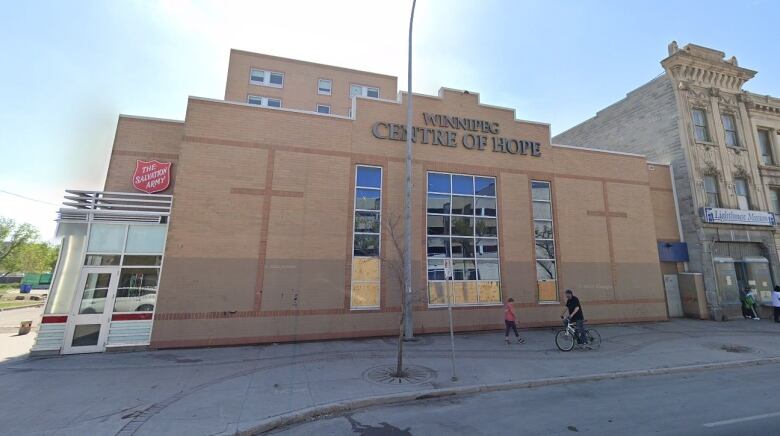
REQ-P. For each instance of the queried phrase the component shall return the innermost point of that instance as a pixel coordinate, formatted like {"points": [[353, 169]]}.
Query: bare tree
{"points": [[394, 262]]}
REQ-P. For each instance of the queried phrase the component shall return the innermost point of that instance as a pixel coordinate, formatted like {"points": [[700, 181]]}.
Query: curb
{"points": [[22, 307], [315, 412]]}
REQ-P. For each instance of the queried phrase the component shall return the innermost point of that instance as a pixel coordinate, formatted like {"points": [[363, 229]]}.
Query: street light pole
{"points": [[408, 322]]}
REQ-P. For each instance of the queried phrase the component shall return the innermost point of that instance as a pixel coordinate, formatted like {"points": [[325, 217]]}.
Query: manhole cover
{"points": [[385, 374]]}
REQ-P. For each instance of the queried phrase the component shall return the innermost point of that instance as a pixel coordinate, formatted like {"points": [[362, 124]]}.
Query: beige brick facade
{"points": [[260, 238], [300, 90]]}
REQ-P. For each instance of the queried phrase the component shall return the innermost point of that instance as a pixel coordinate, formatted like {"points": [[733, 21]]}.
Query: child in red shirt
{"points": [[510, 320]]}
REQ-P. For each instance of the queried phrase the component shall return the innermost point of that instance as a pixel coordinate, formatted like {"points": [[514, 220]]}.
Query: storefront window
{"points": [[135, 248], [106, 238], [137, 290], [366, 238], [145, 239], [462, 225], [546, 265]]}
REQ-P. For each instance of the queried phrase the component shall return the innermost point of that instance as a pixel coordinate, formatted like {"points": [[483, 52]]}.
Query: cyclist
{"points": [[574, 310]]}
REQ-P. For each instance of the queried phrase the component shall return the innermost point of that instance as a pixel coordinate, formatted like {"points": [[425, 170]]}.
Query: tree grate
{"points": [[385, 375]]}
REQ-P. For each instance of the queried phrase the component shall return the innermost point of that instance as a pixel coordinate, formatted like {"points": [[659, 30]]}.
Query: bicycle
{"points": [[566, 339]]}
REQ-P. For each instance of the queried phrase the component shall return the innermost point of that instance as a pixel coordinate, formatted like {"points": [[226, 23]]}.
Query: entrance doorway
{"points": [[90, 314]]}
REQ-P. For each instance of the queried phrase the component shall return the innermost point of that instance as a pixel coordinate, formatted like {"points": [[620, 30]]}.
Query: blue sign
{"points": [[737, 216], [673, 252]]}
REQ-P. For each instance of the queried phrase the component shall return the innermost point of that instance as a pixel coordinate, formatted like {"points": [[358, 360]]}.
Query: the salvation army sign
{"points": [[152, 176]]}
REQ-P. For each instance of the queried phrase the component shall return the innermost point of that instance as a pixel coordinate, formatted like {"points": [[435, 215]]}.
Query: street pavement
{"points": [[224, 390], [733, 401]]}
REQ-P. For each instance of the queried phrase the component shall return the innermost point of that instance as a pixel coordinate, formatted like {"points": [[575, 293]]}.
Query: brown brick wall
{"points": [[300, 82], [145, 139], [259, 245]]}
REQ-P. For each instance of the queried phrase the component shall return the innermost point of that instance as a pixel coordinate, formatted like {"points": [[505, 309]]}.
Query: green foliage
{"points": [[21, 250], [33, 257]]}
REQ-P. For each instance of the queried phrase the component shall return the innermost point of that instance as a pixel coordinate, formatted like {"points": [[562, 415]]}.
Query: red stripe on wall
{"points": [[131, 316], [54, 319]]}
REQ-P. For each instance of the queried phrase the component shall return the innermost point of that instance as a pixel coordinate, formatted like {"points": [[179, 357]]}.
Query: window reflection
{"points": [[462, 225], [366, 222], [367, 199], [366, 245], [137, 291]]}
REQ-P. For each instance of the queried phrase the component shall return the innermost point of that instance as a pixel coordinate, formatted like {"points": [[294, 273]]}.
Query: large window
{"points": [[365, 91], [266, 78], [730, 129], [366, 238], [544, 239], [462, 225], [765, 147], [743, 195], [711, 191], [264, 101], [700, 131], [138, 249]]}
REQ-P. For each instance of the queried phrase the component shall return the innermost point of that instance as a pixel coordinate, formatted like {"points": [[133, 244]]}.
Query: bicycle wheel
{"points": [[594, 338], [564, 341]]}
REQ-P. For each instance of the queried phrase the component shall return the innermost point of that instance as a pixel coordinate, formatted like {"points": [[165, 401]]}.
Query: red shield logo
{"points": [[152, 176]]}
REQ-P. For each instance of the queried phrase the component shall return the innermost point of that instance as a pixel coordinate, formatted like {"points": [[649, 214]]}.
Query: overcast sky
{"points": [[69, 68]]}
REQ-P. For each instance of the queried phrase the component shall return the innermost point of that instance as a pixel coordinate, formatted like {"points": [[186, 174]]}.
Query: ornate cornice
{"points": [[761, 103], [706, 68]]}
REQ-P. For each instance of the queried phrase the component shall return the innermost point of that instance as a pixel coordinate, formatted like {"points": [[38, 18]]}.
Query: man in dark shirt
{"points": [[574, 310]]}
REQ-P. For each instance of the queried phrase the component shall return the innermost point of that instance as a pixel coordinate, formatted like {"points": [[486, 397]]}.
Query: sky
{"points": [[68, 69]]}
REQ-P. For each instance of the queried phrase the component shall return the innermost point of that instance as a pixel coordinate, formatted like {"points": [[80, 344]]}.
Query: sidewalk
{"points": [[13, 346], [222, 390]]}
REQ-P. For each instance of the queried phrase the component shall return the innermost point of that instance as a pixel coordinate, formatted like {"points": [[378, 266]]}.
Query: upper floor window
{"points": [[743, 196], [711, 191], [730, 128], [700, 131], [365, 91], [323, 108], [266, 78], [324, 86], [774, 200], [765, 147], [264, 101]]}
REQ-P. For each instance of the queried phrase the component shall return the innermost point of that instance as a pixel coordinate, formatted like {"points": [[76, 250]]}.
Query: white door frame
{"points": [[103, 319]]}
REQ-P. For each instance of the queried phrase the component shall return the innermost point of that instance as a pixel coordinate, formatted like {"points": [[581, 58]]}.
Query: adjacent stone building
{"points": [[720, 141]]}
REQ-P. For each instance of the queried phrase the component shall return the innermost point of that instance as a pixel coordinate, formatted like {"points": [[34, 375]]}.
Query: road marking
{"points": [[736, 420]]}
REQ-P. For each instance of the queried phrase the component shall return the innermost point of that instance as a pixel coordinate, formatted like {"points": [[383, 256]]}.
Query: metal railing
{"points": [[123, 206]]}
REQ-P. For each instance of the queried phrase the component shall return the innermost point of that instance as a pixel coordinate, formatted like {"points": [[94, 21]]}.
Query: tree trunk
{"points": [[399, 368]]}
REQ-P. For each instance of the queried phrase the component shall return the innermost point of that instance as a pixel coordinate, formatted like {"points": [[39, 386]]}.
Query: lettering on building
{"points": [[453, 131]]}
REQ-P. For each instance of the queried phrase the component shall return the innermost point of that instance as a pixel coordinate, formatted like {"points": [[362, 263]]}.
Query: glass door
{"points": [[91, 312]]}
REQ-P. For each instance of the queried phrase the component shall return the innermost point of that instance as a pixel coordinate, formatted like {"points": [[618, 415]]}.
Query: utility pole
{"points": [[448, 272], [408, 321]]}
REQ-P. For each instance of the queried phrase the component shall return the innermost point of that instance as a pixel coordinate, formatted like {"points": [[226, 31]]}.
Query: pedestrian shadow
{"points": [[383, 429]]}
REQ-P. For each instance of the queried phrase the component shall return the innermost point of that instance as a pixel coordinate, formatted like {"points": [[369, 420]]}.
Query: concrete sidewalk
{"points": [[223, 390]]}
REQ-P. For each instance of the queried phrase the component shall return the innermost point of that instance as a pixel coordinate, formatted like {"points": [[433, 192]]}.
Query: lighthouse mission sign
{"points": [[152, 176]]}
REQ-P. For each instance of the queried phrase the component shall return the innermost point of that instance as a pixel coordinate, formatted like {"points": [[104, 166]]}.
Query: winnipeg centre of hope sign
{"points": [[450, 131]]}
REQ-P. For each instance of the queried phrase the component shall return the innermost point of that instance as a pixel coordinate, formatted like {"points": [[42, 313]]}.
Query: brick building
{"points": [[721, 141], [273, 215]]}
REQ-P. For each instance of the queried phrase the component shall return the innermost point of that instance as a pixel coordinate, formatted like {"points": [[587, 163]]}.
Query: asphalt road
{"points": [[744, 401]]}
